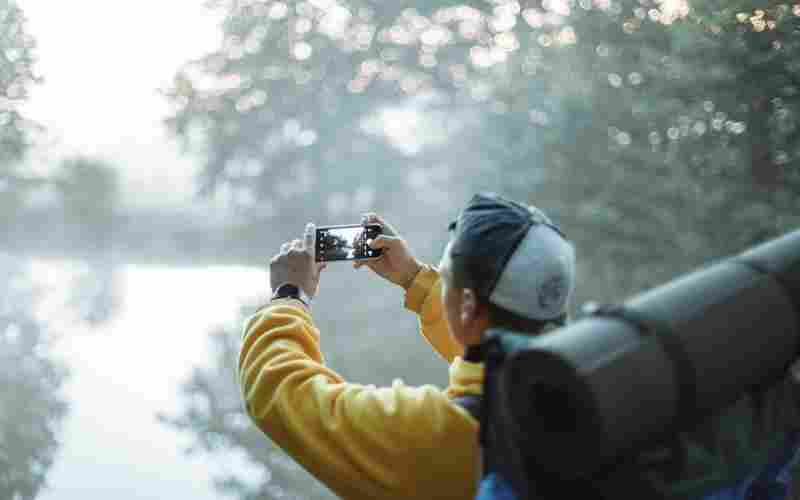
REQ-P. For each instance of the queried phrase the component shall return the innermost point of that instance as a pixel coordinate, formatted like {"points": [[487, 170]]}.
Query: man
{"points": [[506, 265]]}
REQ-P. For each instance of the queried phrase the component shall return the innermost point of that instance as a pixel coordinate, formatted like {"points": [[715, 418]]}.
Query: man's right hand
{"points": [[396, 263]]}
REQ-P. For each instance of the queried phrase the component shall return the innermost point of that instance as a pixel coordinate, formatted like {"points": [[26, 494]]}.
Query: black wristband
{"points": [[291, 291]]}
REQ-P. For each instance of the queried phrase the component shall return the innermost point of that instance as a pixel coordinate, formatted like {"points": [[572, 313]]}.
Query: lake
{"points": [[128, 369]]}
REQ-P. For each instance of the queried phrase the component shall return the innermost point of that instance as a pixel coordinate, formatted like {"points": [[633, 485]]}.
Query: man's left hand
{"points": [[295, 264]]}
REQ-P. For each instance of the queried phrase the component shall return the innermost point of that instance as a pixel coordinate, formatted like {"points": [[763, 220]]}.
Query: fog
{"points": [[155, 155]]}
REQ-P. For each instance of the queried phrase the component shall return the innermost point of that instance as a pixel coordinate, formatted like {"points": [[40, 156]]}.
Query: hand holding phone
{"points": [[294, 264], [347, 242], [397, 264]]}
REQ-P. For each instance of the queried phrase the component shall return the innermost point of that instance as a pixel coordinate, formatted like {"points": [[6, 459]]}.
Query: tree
{"points": [[683, 151], [272, 109], [290, 110], [87, 196], [88, 193], [31, 405], [16, 77]]}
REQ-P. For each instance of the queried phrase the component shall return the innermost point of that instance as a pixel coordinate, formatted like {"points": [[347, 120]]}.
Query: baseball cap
{"points": [[513, 256]]}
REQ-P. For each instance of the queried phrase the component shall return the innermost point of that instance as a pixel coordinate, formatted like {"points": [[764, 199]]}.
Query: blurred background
{"points": [[154, 155]]}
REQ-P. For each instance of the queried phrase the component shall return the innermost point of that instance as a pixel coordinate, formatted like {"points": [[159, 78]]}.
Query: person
{"points": [[506, 264]]}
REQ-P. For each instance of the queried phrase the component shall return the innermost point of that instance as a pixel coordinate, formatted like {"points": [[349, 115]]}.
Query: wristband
{"points": [[290, 291]]}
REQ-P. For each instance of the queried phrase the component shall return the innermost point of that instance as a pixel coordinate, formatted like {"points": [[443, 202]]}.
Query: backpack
{"points": [[748, 450]]}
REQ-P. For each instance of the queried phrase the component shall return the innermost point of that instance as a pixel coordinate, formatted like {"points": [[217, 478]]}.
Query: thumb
{"points": [[384, 241], [310, 238]]}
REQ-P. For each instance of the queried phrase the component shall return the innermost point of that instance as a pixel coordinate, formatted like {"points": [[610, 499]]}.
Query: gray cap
{"points": [[514, 257]]}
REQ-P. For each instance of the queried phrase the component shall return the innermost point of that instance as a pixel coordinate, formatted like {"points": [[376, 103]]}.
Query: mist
{"points": [[154, 157]]}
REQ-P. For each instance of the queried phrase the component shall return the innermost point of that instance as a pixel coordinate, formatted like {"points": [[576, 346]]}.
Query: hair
{"points": [[503, 318]]}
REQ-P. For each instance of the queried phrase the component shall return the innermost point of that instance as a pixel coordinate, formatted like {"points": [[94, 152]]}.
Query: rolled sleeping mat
{"points": [[574, 400]]}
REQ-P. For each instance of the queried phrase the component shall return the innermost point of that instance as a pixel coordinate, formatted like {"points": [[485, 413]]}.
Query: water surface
{"points": [[127, 370]]}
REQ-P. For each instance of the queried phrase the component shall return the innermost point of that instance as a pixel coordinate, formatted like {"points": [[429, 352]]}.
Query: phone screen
{"points": [[346, 242]]}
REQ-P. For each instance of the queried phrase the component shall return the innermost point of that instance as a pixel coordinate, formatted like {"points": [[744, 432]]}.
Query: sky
{"points": [[103, 63]]}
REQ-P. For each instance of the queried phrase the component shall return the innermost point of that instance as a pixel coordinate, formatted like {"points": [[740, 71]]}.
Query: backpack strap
{"points": [[670, 453], [789, 283], [471, 403], [685, 373]]}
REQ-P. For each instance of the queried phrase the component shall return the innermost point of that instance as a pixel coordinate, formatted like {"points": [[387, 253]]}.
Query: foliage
{"points": [[88, 193], [275, 95], [16, 77], [688, 162], [31, 406]]}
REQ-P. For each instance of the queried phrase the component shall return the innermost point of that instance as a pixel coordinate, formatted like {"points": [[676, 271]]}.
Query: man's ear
{"points": [[474, 317]]}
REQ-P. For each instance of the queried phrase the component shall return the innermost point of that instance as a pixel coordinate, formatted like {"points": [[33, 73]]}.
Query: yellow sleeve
{"points": [[424, 298], [363, 442]]}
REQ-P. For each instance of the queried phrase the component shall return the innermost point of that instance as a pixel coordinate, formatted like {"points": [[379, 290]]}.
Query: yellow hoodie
{"points": [[363, 442]]}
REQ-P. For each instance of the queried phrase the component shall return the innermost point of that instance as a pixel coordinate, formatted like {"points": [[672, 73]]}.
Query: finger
{"points": [[310, 238], [357, 264], [383, 241], [373, 218]]}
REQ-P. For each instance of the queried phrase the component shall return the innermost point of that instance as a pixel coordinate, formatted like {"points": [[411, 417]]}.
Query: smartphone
{"points": [[348, 242]]}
